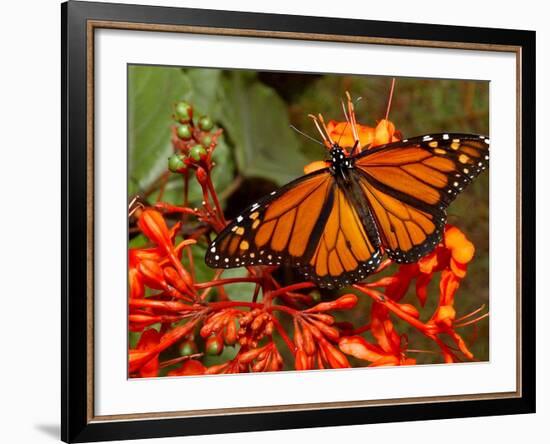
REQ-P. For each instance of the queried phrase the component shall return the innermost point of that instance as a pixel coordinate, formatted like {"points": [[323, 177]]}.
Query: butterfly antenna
{"points": [[390, 98], [305, 135]]}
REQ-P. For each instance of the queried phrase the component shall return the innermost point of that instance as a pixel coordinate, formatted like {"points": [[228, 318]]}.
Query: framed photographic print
{"points": [[279, 221]]}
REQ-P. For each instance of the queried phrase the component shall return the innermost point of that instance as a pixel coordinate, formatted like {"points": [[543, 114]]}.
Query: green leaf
{"points": [[240, 291], [152, 92], [254, 117], [139, 241], [203, 90]]}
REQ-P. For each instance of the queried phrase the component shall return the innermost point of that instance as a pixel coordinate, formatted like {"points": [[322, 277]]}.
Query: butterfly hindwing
{"points": [[409, 184], [348, 249]]}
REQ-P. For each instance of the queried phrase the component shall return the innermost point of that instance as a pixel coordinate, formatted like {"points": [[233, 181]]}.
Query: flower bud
{"points": [[342, 303], [335, 357], [176, 163], [197, 152], [152, 274], [183, 112], [231, 332], [175, 280], [206, 123], [207, 141], [152, 224], [184, 132], [188, 347], [301, 361], [214, 345], [136, 284], [249, 355], [309, 343]]}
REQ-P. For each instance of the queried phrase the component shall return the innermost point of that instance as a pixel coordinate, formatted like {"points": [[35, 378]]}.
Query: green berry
{"points": [[197, 152], [184, 132], [176, 163], [214, 345], [206, 123], [188, 348], [207, 140], [184, 112]]}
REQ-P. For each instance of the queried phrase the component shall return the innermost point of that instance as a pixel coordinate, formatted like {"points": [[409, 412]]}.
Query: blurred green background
{"points": [[259, 152]]}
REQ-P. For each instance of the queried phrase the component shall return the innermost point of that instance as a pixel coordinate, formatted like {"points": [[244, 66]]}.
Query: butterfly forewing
{"points": [[409, 184], [278, 228]]}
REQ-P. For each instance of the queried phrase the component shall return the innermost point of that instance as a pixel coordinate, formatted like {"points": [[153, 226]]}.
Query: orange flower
{"points": [[360, 348], [462, 250], [342, 133], [369, 137]]}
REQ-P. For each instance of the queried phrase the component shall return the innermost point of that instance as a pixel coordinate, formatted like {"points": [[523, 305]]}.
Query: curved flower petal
{"points": [[359, 348]]}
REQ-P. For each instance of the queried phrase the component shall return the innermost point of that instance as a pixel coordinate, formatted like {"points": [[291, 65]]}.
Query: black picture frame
{"points": [[77, 425]]}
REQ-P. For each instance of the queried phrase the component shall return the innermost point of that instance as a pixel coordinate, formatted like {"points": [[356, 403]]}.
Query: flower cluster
{"points": [[192, 327]]}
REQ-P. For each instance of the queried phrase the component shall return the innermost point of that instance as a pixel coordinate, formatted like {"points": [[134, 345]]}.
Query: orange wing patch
{"points": [[402, 227], [409, 184], [275, 229], [344, 253]]}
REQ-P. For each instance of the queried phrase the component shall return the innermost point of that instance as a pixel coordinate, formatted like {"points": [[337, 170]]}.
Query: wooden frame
{"points": [[79, 21]]}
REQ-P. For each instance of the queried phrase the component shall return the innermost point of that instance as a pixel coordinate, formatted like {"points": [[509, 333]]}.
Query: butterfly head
{"points": [[339, 159]]}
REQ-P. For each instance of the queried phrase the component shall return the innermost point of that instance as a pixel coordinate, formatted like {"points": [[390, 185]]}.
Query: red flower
{"points": [[148, 340]]}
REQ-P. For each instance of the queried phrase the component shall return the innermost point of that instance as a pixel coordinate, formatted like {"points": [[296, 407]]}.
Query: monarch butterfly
{"points": [[334, 224]]}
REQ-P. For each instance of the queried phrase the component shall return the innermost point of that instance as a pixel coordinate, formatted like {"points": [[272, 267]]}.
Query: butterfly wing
{"points": [[409, 184], [280, 227], [309, 223], [349, 246]]}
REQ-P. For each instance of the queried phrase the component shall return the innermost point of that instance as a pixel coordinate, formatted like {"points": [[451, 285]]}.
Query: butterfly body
{"points": [[335, 224]]}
